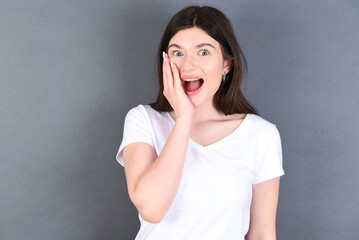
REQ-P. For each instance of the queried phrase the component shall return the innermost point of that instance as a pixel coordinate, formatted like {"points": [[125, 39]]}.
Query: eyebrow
{"points": [[197, 46]]}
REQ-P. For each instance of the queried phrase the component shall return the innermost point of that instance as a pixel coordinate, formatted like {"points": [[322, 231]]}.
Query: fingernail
{"points": [[163, 55], [171, 64]]}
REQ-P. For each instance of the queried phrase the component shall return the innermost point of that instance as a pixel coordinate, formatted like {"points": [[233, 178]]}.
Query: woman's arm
{"points": [[153, 183], [264, 210]]}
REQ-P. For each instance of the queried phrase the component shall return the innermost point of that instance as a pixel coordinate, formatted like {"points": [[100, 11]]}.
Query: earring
{"points": [[224, 77]]}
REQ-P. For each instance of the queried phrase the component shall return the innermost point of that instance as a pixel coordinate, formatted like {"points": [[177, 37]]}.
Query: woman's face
{"points": [[198, 55]]}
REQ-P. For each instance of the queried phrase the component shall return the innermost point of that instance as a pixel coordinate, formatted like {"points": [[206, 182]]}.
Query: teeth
{"points": [[191, 79]]}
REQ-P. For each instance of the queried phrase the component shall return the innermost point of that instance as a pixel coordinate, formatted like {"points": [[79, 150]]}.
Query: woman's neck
{"points": [[204, 113]]}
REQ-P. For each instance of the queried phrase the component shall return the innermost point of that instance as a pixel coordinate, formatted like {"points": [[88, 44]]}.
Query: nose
{"points": [[188, 63]]}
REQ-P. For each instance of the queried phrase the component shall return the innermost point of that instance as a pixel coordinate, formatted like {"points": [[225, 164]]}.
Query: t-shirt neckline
{"points": [[238, 129]]}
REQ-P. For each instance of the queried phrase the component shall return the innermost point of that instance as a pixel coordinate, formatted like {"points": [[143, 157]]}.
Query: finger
{"points": [[164, 75], [168, 73], [176, 78]]}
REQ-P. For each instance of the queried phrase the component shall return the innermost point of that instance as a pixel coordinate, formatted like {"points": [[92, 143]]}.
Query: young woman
{"points": [[199, 162]]}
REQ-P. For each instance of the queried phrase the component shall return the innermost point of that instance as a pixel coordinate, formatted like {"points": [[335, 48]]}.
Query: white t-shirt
{"points": [[214, 197]]}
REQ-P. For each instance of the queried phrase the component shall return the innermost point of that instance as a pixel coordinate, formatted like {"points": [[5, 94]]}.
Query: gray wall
{"points": [[70, 71]]}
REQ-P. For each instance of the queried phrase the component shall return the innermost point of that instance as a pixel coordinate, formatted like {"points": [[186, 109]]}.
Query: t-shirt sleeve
{"points": [[270, 161], [136, 129]]}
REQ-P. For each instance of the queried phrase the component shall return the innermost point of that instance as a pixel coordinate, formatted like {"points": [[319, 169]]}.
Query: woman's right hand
{"points": [[173, 90]]}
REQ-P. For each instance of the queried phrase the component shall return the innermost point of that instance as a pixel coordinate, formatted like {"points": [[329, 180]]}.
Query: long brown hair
{"points": [[229, 98]]}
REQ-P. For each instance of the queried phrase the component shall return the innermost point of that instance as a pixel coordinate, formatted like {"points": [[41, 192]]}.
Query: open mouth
{"points": [[192, 85]]}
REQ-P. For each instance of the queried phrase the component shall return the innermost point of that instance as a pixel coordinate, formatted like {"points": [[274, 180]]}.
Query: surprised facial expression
{"points": [[198, 56]]}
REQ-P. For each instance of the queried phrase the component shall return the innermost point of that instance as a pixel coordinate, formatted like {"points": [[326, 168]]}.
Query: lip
{"points": [[190, 77], [193, 92]]}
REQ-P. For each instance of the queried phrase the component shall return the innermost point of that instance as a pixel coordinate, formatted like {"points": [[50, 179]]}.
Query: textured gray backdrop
{"points": [[70, 71]]}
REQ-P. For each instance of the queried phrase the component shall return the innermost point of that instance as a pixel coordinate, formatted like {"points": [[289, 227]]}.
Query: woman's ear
{"points": [[227, 65]]}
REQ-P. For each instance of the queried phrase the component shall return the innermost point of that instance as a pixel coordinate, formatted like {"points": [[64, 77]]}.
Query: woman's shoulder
{"points": [[146, 112], [141, 108], [146, 108], [261, 125]]}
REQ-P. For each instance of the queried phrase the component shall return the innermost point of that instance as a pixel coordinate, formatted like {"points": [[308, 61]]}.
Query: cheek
{"points": [[176, 61], [175, 58], [214, 68]]}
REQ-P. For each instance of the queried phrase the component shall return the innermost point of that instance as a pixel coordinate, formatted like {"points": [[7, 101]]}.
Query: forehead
{"points": [[191, 37]]}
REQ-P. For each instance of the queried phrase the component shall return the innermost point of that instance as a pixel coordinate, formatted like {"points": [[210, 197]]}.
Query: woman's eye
{"points": [[177, 53], [203, 52]]}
